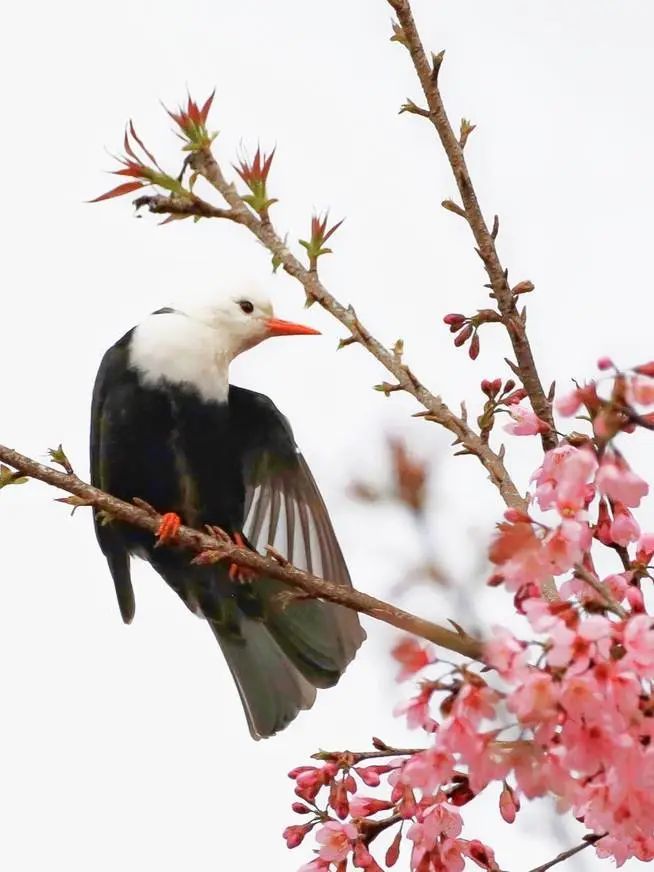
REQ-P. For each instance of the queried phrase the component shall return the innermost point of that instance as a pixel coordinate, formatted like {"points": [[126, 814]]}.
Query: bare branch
{"points": [[182, 207], [211, 548], [565, 855], [484, 238]]}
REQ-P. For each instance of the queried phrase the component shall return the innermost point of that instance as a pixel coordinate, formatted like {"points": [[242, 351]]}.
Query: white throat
{"points": [[175, 348]]}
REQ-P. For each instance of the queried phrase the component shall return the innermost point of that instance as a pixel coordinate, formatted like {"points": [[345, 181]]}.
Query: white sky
{"points": [[125, 748]]}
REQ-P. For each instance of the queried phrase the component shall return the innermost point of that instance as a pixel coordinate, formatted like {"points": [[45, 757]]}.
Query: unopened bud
{"points": [[463, 336], [454, 319]]}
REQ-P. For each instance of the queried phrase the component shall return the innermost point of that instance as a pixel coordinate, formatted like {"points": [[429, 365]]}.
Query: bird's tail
{"points": [[272, 690], [279, 648]]}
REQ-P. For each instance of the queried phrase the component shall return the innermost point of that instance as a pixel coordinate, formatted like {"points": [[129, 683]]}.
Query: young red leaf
{"points": [[126, 188]]}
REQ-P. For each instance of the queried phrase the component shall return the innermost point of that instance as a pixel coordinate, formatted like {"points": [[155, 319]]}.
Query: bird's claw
{"points": [[238, 573], [168, 528]]}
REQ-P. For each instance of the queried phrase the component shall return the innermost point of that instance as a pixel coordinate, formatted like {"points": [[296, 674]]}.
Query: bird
{"points": [[167, 427]]}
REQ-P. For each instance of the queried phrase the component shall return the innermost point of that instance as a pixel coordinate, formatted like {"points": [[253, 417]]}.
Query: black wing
{"points": [[111, 373], [284, 508]]}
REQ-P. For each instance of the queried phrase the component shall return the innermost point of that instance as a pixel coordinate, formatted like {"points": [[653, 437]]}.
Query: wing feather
{"points": [[277, 476]]}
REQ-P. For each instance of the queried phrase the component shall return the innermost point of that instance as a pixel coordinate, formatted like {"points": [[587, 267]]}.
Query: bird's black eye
{"points": [[246, 306]]}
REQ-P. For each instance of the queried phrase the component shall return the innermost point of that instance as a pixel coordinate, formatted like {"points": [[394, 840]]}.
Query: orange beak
{"points": [[277, 327]]}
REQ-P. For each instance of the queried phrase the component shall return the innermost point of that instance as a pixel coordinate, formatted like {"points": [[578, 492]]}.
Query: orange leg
{"points": [[238, 573], [170, 524]]}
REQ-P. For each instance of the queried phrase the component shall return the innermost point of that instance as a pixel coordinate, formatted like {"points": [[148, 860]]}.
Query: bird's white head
{"points": [[241, 320], [194, 342]]}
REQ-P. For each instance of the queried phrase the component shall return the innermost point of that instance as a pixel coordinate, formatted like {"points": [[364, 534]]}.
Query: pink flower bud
{"points": [[568, 404], [509, 803], [463, 336], [370, 775], [645, 368], [294, 835], [624, 528], [393, 853], [635, 599], [482, 855], [645, 548], [454, 319], [364, 806], [602, 531], [605, 363], [515, 397]]}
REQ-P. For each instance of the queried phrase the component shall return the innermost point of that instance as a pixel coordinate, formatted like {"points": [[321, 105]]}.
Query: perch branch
{"points": [[211, 548]]}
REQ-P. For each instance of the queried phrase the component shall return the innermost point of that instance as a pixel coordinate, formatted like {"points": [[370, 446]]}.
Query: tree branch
{"points": [[182, 207], [210, 548], [204, 163], [565, 855], [485, 238]]}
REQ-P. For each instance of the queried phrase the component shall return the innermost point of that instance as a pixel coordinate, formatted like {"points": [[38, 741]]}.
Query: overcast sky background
{"points": [[126, 748]]}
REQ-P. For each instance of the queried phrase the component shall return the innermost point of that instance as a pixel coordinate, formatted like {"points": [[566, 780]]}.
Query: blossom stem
{"points": [[611, 604]]}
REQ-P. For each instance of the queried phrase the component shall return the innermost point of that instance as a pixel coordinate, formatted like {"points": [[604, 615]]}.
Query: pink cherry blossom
{"points": [[566, 544], [619, 482], [475, 702], [638, 640], [536, 700], [428, 770], [525, 422], [336, 840], [416, 709], [563, 480], [503, 651], [568, 713], [412, 655]]}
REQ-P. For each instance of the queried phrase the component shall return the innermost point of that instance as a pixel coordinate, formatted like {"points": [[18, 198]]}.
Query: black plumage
{"points": [[233, 464]]}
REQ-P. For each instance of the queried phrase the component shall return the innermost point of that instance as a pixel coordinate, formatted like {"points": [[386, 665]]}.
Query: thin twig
{"points": [[212, 548], [600, 589], [206, 165], [565, 855], [484, 238], [182, 207]]}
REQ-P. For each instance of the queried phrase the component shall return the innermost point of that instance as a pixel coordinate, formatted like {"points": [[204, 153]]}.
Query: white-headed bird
{"points": [[168, 428]]}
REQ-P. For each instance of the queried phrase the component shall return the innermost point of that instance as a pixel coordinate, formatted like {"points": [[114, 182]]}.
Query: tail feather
{"points": [[271, 689], [319, 638], [278, 650]]}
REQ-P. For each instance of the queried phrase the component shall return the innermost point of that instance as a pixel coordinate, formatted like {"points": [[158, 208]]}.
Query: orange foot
{"points": [[238, 573], [170, 524]]}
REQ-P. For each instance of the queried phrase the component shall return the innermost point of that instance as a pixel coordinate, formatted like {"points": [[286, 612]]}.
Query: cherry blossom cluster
{"points": [[566, 712]]}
